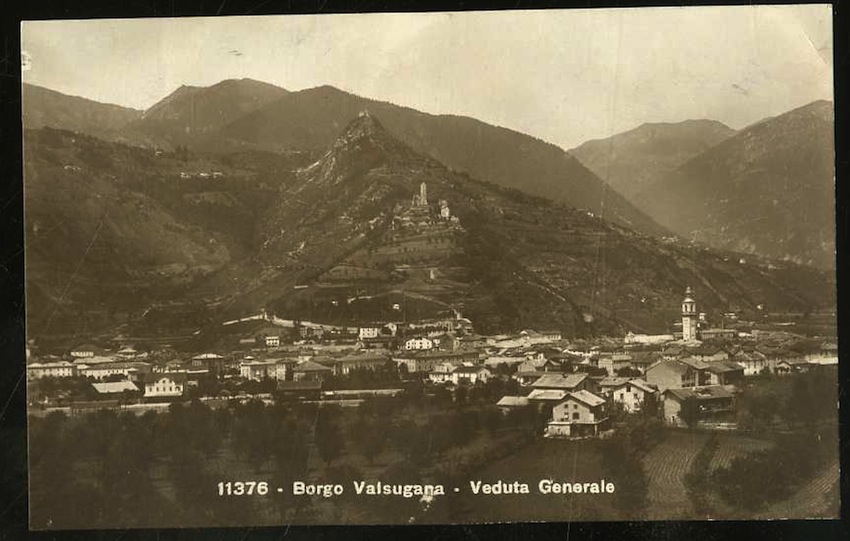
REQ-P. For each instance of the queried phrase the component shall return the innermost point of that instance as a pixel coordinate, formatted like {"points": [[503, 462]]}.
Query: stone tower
{"points": [[423, 194], [689, 316]]}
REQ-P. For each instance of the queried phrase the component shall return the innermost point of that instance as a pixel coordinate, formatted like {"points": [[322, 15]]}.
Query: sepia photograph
{"points": [[573, 265]]}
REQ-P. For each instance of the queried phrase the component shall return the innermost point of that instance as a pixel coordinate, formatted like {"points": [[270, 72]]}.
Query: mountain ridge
{"points": [[630, 160], [310, 119], [769, 189]]}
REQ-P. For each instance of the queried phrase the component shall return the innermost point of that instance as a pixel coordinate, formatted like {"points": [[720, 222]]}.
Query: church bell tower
{"points": [[689, 316]]}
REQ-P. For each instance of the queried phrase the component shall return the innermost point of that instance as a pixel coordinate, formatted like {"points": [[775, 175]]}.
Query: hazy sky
{"points": [[564, 76]]}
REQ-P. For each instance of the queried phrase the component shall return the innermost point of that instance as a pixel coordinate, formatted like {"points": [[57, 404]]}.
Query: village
{"points": [[687, 378]]}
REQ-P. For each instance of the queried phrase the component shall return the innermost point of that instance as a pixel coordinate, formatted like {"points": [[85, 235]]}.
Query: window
{"points": [[575, 415]]}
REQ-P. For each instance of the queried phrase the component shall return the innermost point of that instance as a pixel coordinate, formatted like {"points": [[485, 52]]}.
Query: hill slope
{"points": [[631, 160], [353, 227], [311, 119], [768, 190], [43, 107], [194, 115], [113, 228]]}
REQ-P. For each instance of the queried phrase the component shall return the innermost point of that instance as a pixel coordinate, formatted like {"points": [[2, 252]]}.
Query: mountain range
{"points": [[630, 161], [261, 116], [232, 209], [768, 190]]}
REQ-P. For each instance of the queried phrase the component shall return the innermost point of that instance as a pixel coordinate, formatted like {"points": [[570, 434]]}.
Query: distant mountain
{"points": [[44, 107], [631, 160], [311, 119], [353, 228], [194, 115], [767, 190]]}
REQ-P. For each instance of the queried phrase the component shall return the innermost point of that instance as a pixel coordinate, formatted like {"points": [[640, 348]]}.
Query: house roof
{"points": [[643, 385], [354, 359], [269, 362], [204, 356], [694, 363], [119, 365], [510, 400], [114, 387], [722, 367], [701, 393], [56, 364], [469, 370], [497, 359], [178, 377], [612, 381], [639, 383], [587, 398], [559, 381], [310, 366], [547, 394], [794, 361]]}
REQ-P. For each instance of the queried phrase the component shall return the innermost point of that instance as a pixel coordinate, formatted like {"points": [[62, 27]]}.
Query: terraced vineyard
{"points": [[666, 466], [731, 447]]}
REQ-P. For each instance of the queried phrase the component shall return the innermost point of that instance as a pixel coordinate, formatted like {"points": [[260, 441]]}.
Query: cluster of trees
{"points": [[162, 469], [805, 407], [758, 479], [789, 402]]}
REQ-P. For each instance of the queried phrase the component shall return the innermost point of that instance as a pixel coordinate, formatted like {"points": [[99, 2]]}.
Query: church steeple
{"points": [[689, 316]]}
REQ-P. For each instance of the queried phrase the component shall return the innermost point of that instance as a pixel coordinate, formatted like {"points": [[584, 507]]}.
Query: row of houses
{"points": [[581, 405]]}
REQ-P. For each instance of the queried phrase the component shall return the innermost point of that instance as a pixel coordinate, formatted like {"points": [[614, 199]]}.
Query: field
{"points": [[731, 447], [666, 466]]}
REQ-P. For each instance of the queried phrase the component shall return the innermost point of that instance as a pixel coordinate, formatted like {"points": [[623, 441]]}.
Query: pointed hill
{"points": [[194, 115], [631, 160], [355, 233], [768, 190], [311, 119], [44, 107]]}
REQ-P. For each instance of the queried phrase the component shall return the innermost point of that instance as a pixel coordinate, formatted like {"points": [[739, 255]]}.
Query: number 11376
{"points": [[243, 488]]}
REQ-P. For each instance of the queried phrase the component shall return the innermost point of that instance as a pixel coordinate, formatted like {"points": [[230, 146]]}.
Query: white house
{"points": [[418, 343], [129, 369], [470, 374], [272, 341], [258, 370], [86, 350], [442, 373], [165, 385], [632, 394], [580, 414], [61, 369], [632, 338], [368, 332]]}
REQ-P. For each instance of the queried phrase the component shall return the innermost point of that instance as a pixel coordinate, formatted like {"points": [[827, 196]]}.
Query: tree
{"points": [[624, 467], [328, 437]]}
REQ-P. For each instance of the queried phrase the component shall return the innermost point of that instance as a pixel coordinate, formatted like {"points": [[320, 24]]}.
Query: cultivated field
{"points": [[731, 446], [666, 466]]}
